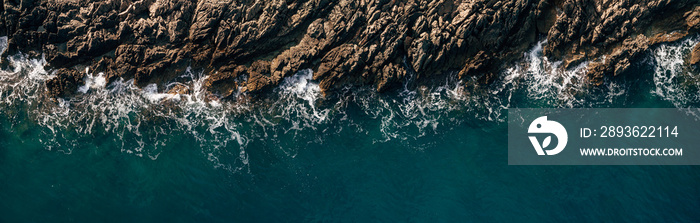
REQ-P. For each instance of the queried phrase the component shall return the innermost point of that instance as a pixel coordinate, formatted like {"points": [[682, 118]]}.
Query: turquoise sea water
{"points": [[117, 153]]}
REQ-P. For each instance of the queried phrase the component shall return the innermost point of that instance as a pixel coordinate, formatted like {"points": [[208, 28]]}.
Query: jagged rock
{"points": [[695, 55], [258, 82], [574, 60], [259, 71], [106, 66], [65, 83], [224, 81], [589, 30], [667, 37], [619, 60], [340, 65], [479, 63], [179, 89], [255, 44], [692, 19], [390, 75]]}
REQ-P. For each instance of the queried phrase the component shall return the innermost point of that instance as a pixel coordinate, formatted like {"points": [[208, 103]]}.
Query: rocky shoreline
{"points": [[251, 46]]}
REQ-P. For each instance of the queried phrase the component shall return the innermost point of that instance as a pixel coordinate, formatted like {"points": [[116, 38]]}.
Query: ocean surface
{"points": [[119, 153]]}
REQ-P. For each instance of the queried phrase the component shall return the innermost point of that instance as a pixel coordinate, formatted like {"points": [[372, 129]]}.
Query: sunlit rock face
{"points": [[251, 46]]}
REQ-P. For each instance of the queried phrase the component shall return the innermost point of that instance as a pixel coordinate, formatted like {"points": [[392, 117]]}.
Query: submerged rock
{"points": [[252, 46]]}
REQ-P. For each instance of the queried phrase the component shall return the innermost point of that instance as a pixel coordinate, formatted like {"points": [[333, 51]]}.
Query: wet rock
{"points": [[224, 82], [65, 83], [695, 55], [391, 74], [106, 66], [619, 60], [179, 89], [616, 31], [692, 19], [667, 37], [574, 60], [253, 45], [476, 65]]}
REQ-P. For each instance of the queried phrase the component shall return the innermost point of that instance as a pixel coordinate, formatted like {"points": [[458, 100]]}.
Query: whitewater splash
{"points": [[142, 120], [674, 81], [92, 82], [553, 86]]}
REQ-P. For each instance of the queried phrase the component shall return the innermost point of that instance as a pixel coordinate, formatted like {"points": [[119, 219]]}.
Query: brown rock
{"points": [[692, 19], [573, 61], [179, 89], [223, 82], [667, 37], [619, 60], [346, 42], [258, 82], [339, 66], [259, 76], [390, 76], [65, 83], [604, 29], [475, 65], [695, 55], [106, 66]]}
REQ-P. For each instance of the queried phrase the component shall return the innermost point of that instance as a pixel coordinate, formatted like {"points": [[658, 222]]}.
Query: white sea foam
{"points": [[127, 111], [545, 80], [92, 82], [300, 86], [674, 81], [122, 111], [142, 119]]}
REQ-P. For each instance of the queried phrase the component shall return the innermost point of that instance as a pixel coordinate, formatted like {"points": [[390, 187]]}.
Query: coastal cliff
{"points": [[251, 46]]}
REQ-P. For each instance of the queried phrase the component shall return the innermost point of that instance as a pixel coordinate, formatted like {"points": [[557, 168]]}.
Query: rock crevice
{"points": [[251, 45]]}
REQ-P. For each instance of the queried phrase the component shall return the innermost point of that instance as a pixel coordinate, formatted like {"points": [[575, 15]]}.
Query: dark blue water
{"points": [[117, 153]]}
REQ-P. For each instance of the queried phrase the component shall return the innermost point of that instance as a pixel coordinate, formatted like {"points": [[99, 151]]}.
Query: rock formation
{"points": [[695, 55], [251, 45]]}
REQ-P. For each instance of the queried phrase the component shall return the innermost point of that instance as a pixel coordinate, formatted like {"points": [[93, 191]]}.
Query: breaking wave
{"points": [[142, 120], [674, 81]]}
